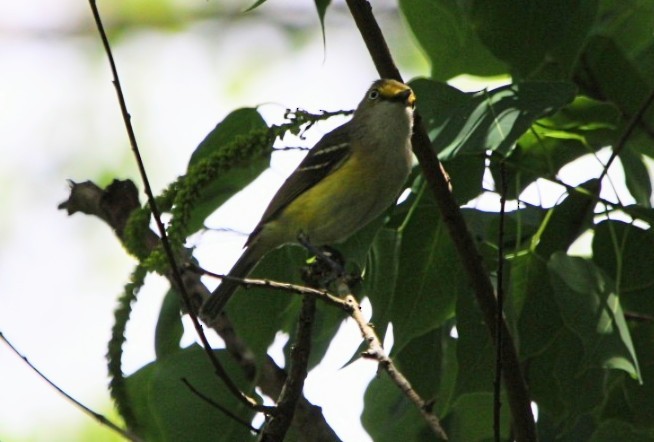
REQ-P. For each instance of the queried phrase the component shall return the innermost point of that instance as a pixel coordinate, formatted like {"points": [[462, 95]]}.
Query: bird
{"points": [[350, 177]]}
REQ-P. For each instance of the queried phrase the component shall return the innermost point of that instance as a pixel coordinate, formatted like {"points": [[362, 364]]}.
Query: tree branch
{"points": [[516, 386], [97, 416], [277, 426], [109, 205], [376, 351]]}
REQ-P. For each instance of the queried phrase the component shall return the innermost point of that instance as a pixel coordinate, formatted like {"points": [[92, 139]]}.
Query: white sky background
{"points": [[59, 120]]}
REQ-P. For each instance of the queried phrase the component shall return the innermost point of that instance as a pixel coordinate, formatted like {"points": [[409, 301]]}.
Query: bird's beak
{"points": [[407, 97]]}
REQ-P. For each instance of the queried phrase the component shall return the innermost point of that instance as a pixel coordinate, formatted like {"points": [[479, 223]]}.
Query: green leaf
{"points": [[566, 221], [424, 299], [474, 350], [321, 7], [591, 308], [538, 39], [168, 411], [614, 430], [381, 275], [255, 5], [448, 39], [487, 120], [639, 395], [259, 313], [539, 320], [631, 31], [608, 74], [236, 126], [564, 388], [388, 415], [169, 329], [582, 127], [471, 418], [626, 252], [636, 176]]}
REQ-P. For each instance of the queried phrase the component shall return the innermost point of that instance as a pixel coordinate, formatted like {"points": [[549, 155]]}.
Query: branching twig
{"points": [[97, 416], [516, 387], [376, 351], [323, 295], [497, 398], [170, 254], [622, 141]]}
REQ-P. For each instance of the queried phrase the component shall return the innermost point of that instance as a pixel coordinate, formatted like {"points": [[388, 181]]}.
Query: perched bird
{"points": [[347, 179]]}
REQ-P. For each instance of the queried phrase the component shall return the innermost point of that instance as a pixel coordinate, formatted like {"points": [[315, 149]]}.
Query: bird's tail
{"points": [[216, 302]]}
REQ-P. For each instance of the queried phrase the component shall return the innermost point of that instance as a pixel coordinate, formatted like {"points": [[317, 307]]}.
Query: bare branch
{"points": [[376, 351], [97, 416]]}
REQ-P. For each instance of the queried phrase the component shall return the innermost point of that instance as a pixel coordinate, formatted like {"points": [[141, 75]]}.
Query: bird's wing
{"points": [[325, 157]]}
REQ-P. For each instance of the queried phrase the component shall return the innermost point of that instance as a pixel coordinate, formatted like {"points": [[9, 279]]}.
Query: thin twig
{"points": [[516, 387], [622, 141], [97, 416], [177, 277], [376, 351], [323, 295], [497, 398]]}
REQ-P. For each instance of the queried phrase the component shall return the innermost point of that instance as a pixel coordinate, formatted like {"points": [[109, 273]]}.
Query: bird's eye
{"points": [[373, 94]]}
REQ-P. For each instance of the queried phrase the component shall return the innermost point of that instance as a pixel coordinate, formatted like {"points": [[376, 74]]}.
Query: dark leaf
{"points": [[590, 307], [448, 39], [166, 408], [539, 39], [236, 126]]}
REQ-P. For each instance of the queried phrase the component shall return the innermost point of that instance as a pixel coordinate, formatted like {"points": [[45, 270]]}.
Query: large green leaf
{"points": [[536, 38], [590, 307], [475, 351], [448, 39], [236, 127], [582, 127], [423, 297], [636, 176], [639, 395], [564, 387], [389, 416], [259, 313], [494, 120], [615, 430], [471, 418], [629, 24], [167, 410], [626, 253], [607, 74]]}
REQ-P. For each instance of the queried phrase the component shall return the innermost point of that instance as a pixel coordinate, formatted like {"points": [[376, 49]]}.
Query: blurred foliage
{"points": [[579, 73]]}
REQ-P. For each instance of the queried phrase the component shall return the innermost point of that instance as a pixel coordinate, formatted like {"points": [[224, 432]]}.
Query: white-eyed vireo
{"points": [[346, 180]]}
